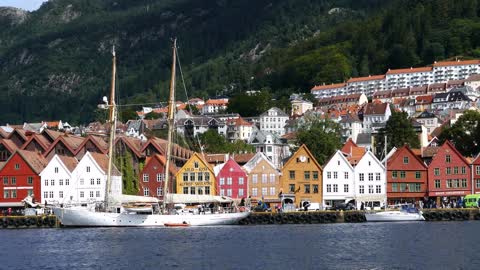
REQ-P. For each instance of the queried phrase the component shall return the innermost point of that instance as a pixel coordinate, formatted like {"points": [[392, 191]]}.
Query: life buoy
{"points": [[241, 209]]}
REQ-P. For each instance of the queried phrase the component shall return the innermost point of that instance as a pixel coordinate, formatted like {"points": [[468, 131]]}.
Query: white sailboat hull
{"points": [[76, 217], [391, 216]]}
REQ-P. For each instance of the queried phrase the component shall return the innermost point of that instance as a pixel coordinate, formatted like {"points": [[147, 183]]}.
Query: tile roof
{"points": [[238, 122], [375, 108], [35, 160], [70, 162], [409, 70], [9, 144], [102, 161], [367, 78], [456, 63], [328, 86]]}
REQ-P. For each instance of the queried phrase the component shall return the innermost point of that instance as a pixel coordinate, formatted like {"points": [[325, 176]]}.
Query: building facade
{"points": [[232, 180], [302, 179], [263, 180], [20, 178], [407, 177], [196, 177], [338, 181], [152, 177], [274, 121], [448, 175], [370, 182]]}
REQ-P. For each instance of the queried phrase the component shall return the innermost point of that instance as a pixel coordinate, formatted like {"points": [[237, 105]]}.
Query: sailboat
{"points": [[117, 210], [405, 212]]}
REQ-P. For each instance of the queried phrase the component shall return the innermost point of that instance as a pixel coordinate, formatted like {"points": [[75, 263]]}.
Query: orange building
{"points": [[301, 179]]}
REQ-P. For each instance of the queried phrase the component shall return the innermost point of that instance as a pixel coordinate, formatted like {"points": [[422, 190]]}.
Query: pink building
{"points": [[231, 180]]}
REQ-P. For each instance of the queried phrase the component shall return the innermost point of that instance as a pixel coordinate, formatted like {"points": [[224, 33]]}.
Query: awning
{"points": [[371, 198], [12, 204], [188, 198]]}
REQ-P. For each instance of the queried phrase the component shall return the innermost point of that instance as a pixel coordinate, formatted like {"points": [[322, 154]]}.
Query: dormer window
{"points": [[17, 166], [405, 160]]}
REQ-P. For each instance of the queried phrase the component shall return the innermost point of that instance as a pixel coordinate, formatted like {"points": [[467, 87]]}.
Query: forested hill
{"points": [[55, 62]]}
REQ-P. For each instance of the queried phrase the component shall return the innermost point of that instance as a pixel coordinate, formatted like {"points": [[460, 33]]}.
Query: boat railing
{"points": [[209, 211]]}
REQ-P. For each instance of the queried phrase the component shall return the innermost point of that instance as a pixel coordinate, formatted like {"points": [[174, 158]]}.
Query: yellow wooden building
{"points": [[196, 177], [301, 179]]}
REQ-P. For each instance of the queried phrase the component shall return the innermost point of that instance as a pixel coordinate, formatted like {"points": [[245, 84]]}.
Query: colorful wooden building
{"points": [[476, 174], [196, 177], [152, 177], [449, 175], [263, 180], [232, 180], [407, 177], [20, 178], [302, 179]]}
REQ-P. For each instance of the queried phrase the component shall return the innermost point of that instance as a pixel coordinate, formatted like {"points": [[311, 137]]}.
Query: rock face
{"points": [[12, 16]]}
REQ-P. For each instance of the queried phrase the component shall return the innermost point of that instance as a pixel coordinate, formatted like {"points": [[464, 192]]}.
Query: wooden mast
{"points": [[170, 120], [113, 128]]}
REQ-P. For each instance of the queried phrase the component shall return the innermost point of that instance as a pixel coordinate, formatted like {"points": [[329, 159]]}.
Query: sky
{"points": [[29, 5]]}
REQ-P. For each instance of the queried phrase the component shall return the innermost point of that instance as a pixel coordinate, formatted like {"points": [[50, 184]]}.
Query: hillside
{"points": [[55, 61]]}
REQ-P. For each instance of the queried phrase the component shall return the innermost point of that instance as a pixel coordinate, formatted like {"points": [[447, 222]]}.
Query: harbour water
{"points": [[415, 245]]}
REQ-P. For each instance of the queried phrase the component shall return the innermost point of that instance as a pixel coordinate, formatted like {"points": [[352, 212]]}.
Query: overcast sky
{"points": [[24, 4]]}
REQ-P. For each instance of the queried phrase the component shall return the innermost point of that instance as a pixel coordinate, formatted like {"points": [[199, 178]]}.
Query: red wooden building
{"points": [[152, 177], [407, 177], [232, 180], [448, 175], [476, 174], [20, 178]]}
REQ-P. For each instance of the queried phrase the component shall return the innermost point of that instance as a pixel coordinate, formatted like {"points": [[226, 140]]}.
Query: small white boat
{"points": [[392, 215]]}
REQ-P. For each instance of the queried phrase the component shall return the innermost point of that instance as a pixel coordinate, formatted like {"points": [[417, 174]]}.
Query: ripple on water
{"points": [[447, 245]]}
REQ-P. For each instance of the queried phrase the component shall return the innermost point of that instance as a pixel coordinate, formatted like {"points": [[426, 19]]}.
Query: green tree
{"points": [[321, 136], [399, 131], [464, 133], [212, 142]]}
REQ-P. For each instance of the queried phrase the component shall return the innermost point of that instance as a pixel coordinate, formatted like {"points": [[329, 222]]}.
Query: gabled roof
{"points": [[220, 158], [305, 148], [239, 122], [98, 142], [253, 162], [134, 144], [342, 156], [65, 140], [370, 154], [69, 162], [102, 162], [20, 132], [42, 141], [375, 108], [9, 144], [34, 160], [400, 151], [353, 152], [163, 161], [277, 110], [4, 134], [447, 143]]}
